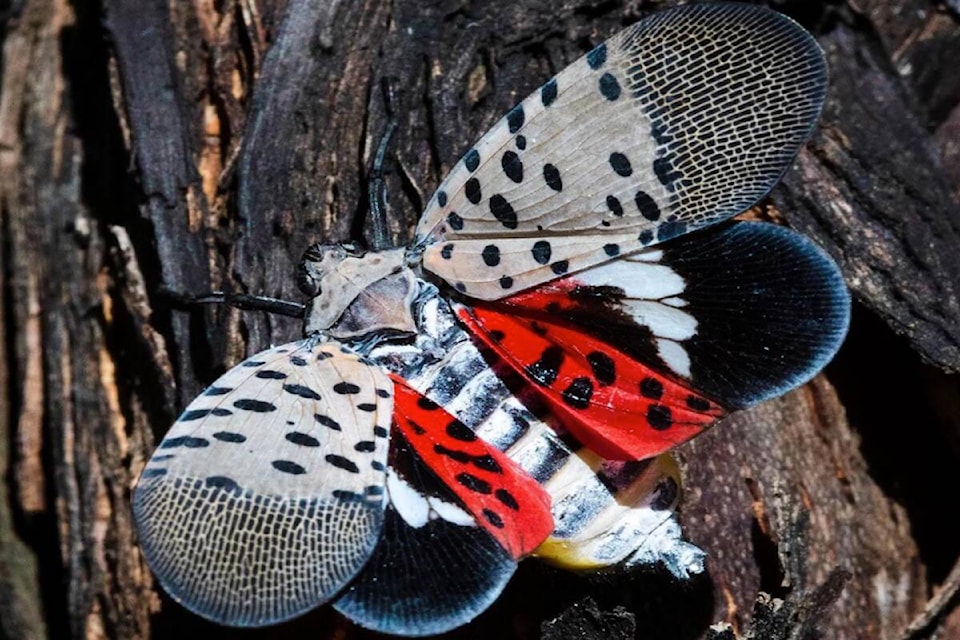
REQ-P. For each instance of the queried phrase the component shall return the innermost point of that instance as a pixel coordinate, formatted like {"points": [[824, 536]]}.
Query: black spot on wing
{"points": [[229, 436], [646, 205], [541, 251], [222, 482], [697, 404], [270, 374], [328, 422], [551, 175], [560, 267], [342, 463], [298, 361], [578, 393], [491, 255], [620, 164], [611, 250], [196, 414], [286, 466], [301, 391], [506, 282], [507, 499], [665, 172], [442, 198], [302, 439], [459, 431], [597, 56], [453, 454], [487, 463], [503, 212], [365, 446], [472, 160], [515, 118], [659, 417], [153, 473], [548, 93], [493, 518], [547, 367], [602, 366], [427, 404], [346, 388], [472, 191], [188, 442], [614, 205], [609, 87], [217, 391], [512, 166], [651, 388], [455, 221], [475, 484]]}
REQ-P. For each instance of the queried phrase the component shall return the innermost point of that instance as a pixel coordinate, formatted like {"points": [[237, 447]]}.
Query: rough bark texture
{"points": [[193, 145]]}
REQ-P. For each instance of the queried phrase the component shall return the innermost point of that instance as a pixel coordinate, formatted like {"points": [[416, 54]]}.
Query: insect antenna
{"points": [[377, 186], [243, 301], [381, 237]]}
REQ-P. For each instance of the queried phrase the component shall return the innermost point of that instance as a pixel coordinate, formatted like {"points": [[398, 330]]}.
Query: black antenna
{"points": [[381, 236], [240, 301], [377, 186]]}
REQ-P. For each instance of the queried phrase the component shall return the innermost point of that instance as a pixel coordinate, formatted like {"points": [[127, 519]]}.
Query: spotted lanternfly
{"points": [[575, 304]]}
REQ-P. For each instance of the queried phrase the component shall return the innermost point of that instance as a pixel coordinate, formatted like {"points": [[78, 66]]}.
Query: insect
{"points": [[575, 303]]}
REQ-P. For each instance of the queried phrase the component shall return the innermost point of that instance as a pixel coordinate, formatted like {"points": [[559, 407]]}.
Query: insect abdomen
{"points": [[605, 512]]}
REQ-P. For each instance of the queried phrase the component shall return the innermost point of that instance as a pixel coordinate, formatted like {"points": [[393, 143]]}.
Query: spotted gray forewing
{"points": [[266, 497], [678, 122]]}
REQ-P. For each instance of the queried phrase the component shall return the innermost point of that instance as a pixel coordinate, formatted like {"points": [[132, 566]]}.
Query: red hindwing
{"points": [[501, 497], [615, 405]]}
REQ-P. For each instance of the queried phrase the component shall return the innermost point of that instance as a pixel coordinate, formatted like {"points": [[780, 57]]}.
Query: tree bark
{"points": [[191, 145]]}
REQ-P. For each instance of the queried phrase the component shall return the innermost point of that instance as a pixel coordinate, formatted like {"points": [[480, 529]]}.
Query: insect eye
{"points": [[314, 253], [308, 285]]}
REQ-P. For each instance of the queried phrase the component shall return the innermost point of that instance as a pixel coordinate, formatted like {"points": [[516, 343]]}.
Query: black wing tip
{"points": [[772, 309], [828, 329], [427, 581], [820, 334]]}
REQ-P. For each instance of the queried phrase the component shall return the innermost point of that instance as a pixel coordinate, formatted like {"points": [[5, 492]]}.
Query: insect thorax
{"points": [[356, 293], [373, 303]]}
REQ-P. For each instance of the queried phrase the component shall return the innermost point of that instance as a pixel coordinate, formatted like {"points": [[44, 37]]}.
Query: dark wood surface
{"points": [[189, 145]]}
